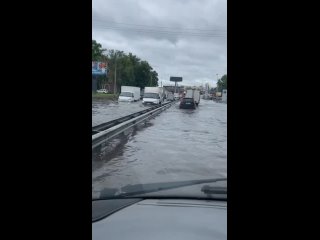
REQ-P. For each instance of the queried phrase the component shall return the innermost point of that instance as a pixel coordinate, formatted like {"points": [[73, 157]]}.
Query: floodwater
{"points": [[107, 110], [177, 145]]}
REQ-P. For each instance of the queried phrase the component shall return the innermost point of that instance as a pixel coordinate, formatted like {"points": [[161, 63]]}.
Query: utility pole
{"points": [[115, 76], [217, 80]]}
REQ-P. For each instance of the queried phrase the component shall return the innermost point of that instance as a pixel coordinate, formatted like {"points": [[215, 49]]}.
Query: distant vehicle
{"points": [[170, 96], [187, 103], [195, 94], [218, 96], [196, 97], [102, 91], [153, 95], [129, 94], [176, 96]]}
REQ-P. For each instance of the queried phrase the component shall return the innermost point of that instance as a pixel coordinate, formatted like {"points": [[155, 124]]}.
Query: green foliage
{"points": [[222, 83], [130, 70], [97, 51]]}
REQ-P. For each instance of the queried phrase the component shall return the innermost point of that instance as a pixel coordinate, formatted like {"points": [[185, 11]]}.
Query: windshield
{"points": [[151, 95], [163, 142], [126, 94], [177, 145]]}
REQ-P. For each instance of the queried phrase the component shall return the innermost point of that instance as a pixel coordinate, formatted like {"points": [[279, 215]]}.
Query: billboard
{"points": [[176, 79], [99, 68]]}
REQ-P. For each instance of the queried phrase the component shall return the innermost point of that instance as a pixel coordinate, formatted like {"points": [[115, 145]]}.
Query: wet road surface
{"points": [[107, 110], [177, 145]]}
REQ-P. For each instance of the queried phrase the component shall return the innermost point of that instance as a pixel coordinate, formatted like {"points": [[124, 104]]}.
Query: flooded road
{"points": [[177, 145], [107, 110]]}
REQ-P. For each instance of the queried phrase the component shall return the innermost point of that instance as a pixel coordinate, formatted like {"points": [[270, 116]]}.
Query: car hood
{"points": [[165, 219]]}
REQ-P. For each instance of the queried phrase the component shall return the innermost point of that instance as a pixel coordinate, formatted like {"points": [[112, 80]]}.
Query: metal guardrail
{"points": [[98, 128], [115, 127]]}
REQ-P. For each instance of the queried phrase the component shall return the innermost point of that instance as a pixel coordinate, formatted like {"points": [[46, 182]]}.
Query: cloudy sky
{"points": [[186, 38]]}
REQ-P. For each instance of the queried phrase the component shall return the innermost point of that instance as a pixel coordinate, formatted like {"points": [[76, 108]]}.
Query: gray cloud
{"points": [[177, 37]]}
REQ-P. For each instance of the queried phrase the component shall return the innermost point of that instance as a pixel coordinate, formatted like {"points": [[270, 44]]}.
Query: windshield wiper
{"points": [[131, 190], [213, 190]]}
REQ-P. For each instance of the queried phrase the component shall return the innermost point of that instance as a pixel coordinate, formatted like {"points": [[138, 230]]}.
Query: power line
{"points": [[152, 31], [154, 27], [155, 30], [163, 32]]}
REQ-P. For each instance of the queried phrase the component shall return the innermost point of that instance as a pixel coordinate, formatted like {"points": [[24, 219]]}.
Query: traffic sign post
{"points": [[175, 80]]}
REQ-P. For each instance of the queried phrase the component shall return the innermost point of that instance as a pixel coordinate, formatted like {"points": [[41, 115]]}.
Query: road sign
{"points": [[176, 79]]}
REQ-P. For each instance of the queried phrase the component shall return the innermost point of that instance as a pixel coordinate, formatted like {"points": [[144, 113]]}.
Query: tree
{"points": [[97, 51], [98, 55], [222, 83], [130, 70], [155, 79], [143, 75]]}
